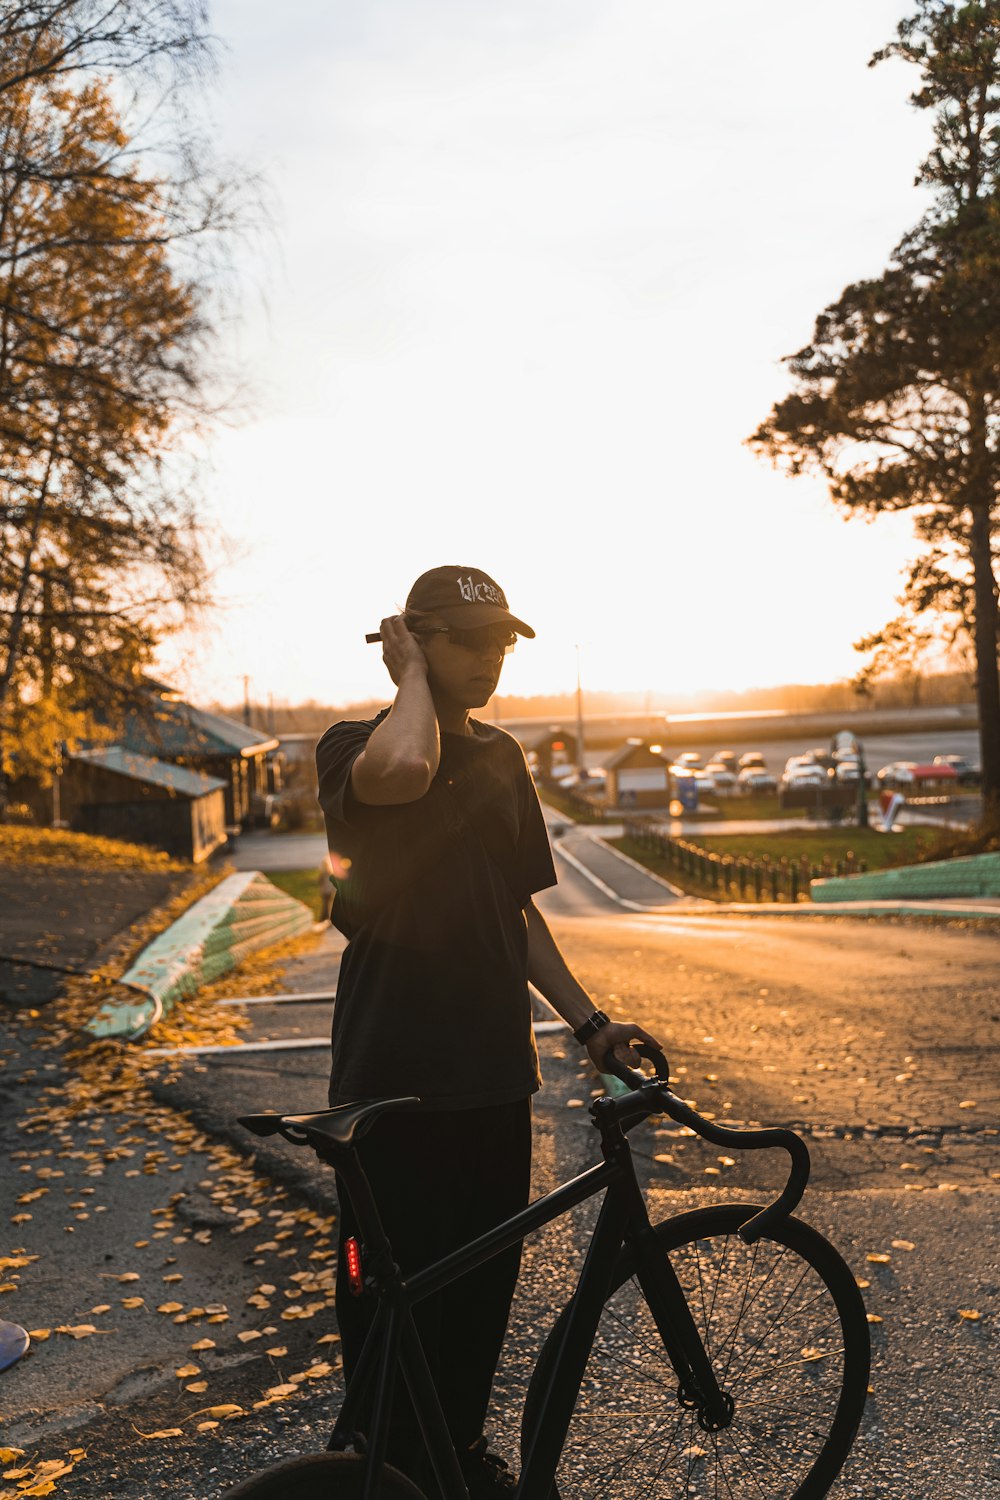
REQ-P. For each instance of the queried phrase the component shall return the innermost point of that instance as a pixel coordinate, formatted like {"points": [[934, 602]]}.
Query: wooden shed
{"points": [[638, 776], [166, 728], [117, 794]]}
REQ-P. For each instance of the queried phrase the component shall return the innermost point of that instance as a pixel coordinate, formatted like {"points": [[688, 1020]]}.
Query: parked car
{"points": [[751, 758], [727, 758], [723, 775], [802, 768], [898, 777], [967, 773], [683, 770], [848, 768], [690, 758], [821, 757], [756, 779]]}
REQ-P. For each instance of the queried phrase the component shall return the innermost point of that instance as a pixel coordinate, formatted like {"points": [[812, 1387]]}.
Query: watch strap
{"points": [[592, 1026]]}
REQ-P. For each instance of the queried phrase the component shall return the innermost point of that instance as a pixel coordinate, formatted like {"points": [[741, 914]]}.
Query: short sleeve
{"points": [[536, 871], [335, 756]]}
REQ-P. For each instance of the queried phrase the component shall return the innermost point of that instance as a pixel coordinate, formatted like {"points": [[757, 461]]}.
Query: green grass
{"points": [[879, 850], [823, 848], [304, 885]]}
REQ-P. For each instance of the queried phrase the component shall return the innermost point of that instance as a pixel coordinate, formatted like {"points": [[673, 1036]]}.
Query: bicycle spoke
{"points": [[765, 1313], [768, 1332]]}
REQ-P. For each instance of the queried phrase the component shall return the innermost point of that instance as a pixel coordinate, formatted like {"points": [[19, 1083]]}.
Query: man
{"points": [[437, 846]]}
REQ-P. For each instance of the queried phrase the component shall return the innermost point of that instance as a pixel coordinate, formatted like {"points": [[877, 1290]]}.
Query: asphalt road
{"points": [[878, 1040]]}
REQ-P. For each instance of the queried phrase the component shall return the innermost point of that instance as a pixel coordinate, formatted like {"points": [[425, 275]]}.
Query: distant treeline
{"points": [[923, 691]]}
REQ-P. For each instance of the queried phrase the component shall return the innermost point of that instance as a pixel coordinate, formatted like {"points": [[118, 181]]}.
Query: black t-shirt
{"points": [[432, 997]]}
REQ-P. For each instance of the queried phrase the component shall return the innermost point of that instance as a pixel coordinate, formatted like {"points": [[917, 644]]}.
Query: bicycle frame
{"points": [[393, 1343]]}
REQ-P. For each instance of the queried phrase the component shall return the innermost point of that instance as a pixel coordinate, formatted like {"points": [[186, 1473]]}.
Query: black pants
{"points": [[440, 1179]]}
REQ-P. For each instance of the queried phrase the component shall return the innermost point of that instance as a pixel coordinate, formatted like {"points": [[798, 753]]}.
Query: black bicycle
{"points": [[720, 1355]]}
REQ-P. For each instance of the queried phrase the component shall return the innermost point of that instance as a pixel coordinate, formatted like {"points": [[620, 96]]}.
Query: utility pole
{"points": [[580, 760], [246, 699]]}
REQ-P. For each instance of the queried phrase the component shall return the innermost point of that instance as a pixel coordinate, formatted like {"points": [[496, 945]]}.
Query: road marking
{"points": [[293, 1044], [310, 997]]}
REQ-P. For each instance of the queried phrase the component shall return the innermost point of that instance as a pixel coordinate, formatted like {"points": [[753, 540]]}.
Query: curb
{"points": [[844, 909], [241, 914]]}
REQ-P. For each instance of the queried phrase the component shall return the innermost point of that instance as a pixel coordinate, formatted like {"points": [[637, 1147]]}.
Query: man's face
{"points": [[464, 665]]}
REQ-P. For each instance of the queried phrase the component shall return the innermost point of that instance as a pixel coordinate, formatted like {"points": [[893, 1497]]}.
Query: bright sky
{"points": [[532, 269]]}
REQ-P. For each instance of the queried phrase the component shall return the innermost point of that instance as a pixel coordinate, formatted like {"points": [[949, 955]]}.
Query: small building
{"points": [[166, 728], [638, 775], [117, 794], [547, 748]]}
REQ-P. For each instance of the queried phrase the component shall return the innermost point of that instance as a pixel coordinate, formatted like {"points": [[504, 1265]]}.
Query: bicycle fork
{"points": [[697, 1389]]}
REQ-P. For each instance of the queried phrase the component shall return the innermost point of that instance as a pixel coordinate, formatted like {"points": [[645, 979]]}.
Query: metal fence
{"points": [[735, 876]]}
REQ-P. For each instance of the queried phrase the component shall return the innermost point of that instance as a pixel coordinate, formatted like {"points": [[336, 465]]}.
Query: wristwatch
{"points": [[592, 1026]]}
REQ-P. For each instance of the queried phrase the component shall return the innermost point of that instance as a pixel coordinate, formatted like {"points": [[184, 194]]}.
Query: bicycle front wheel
{"points": [[322, 1476], [784, 1326]]}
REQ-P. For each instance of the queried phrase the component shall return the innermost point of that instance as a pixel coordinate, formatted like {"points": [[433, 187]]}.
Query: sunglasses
{"points": [[480, 638]]}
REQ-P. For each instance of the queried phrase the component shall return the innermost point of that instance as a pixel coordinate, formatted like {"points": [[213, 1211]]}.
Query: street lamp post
{"points": [[580, 761], [862, 787]]}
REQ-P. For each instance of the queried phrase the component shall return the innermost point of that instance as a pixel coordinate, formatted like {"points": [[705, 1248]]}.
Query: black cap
{"points": [[465, 598]]}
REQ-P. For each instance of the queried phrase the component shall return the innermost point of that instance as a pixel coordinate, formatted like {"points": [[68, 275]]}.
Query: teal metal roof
{"points": [[123, 762], [170, 727]]}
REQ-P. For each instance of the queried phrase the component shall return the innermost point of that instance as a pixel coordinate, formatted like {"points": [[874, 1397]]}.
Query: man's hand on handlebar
{"points": [[615, 1040]]}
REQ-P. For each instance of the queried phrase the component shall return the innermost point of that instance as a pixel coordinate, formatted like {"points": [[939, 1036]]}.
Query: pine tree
{"points": [[896, 400]]}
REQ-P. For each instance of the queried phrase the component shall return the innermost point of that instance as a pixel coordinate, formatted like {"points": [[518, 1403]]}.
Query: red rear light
{"points": [[355, 1274]]}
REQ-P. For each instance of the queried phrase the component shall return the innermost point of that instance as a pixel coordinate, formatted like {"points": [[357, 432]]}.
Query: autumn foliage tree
{"points": [[104, 340], [896, 399]]}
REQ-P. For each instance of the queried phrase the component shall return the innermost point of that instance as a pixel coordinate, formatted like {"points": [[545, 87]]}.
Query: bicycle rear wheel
{"points": [[784, 1325], [322, 1476]]}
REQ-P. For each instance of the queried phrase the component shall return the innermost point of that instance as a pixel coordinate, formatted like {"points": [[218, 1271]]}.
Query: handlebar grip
{"points": [[632, 1076]]}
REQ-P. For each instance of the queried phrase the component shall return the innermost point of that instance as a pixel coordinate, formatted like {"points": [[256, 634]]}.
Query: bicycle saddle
{"points": [[337, 1129]]}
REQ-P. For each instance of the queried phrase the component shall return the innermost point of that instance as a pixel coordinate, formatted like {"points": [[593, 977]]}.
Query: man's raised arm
{"points": [[402, 755]]}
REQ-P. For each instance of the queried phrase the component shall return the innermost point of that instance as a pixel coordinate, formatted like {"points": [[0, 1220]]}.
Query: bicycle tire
{"points": [[788, 1337], [322, 1476]]}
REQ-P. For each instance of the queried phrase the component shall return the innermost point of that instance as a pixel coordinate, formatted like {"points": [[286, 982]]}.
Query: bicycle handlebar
{"points": [[654, 1096]]}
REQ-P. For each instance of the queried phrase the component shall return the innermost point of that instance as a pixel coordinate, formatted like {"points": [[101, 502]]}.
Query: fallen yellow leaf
{"points": [[286, 1389], [77, 1330], [8, 1455], [874, 1318], [970, 1314], [248, 1335], [164, 1432], [169, 1307], [186, 1371], [903, 1245], [198, 1386], [280, 1352], [132, 1301], [878, 1259], [202, 1344], [39, 1334], [205, 1426]]}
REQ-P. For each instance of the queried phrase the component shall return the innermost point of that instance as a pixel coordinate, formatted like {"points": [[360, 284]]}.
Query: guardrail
{"points": [[737, 876]]}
